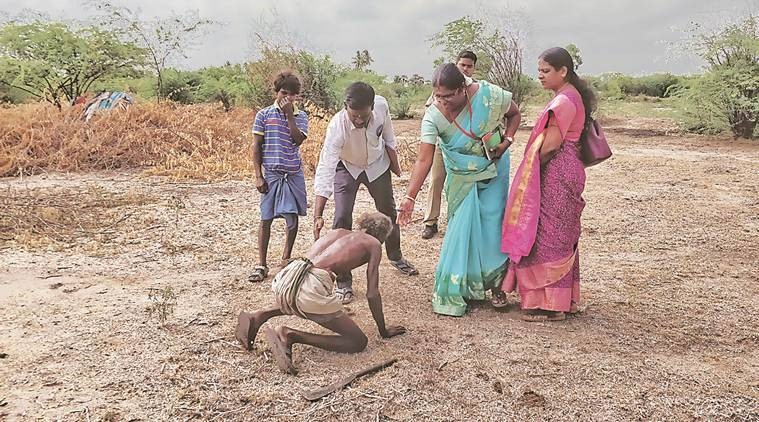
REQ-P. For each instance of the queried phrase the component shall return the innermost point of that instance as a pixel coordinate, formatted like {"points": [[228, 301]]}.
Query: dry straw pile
{"points": [[182, 142]]}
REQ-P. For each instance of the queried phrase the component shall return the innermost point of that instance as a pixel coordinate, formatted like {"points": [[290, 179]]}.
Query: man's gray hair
{"points": [[375, 224]]}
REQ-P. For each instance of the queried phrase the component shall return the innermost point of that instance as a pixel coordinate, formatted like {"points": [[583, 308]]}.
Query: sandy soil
{"points": [[668, 328]]}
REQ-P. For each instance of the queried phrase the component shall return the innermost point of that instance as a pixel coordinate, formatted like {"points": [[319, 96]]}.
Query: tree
{"points": [[418, 80], [317, 74], [729, 90], [401, 79], [463, 34], [362, 60], [180, 86], [499, 51], [51, 61], [166, 40], [278, 47], [574, 51], [277, 50], [228, 84]]}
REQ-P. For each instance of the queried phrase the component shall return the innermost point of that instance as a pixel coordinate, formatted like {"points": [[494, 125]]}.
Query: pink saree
{"points": [[541, 225]]}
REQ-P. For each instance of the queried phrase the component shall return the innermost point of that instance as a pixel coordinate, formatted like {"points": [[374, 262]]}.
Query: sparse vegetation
{"points": [[161, 303], [41, 218], [157, 200], [727, 95]]}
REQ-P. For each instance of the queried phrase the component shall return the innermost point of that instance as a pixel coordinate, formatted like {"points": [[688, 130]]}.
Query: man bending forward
{"points": [[305, 288]]}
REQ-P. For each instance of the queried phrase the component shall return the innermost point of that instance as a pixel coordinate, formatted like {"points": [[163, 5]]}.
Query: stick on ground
{"points": [[320, 392]]}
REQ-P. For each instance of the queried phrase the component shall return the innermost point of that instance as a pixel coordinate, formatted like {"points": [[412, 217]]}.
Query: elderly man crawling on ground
{"points": [[305, 287]]}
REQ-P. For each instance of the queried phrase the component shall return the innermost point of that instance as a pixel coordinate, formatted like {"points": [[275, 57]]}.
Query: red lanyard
{"points": [[468, 133]]}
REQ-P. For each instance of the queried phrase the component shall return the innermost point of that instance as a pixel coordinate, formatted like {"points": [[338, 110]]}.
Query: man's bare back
{"points": [[340, 250]]}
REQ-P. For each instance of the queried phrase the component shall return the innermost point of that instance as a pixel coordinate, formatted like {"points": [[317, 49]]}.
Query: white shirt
{"points": [[359, 149]]}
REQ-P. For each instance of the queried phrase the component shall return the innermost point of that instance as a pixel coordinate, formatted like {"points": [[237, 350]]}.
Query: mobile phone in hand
{"points": [[488, 154]]}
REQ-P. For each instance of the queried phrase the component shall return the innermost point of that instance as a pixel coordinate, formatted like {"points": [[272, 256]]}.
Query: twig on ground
{"points": [[229, 411], [444, 364]]}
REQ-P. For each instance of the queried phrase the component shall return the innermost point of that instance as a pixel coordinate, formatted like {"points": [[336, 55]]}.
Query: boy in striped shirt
{"points": [[278, 132]]}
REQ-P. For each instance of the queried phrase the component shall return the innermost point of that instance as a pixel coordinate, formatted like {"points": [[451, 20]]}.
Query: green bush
{"points": [[347, 77], [618, 86], [228, 84], [403, 93], [655, 85], [143, 88], [180, 86], [57, 61], [717, 102], [400, 107], [526, 86], [12, 95], [318, 76], [728, 93]]}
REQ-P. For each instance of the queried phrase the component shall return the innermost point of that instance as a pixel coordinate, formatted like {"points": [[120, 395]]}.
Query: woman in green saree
{"points": [[467, 120]]}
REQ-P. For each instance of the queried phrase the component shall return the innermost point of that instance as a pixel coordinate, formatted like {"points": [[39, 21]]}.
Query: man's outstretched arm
{"points": [[373, 294]]}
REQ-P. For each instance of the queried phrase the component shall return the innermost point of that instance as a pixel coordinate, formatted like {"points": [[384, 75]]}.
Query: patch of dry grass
{"points": [[666, 331], [182, 142], [36, 218]]}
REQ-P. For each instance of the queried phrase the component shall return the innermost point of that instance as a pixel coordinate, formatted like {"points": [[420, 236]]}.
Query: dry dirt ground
{"points": [[668, 328]]}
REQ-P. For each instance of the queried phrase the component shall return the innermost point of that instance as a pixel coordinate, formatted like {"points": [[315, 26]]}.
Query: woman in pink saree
{"points": [[541, 225]]}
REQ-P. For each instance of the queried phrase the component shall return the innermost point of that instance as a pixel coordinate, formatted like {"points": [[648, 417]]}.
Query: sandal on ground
{"points": [[429, 231], [499, 300], [405, 267], [345, 295], [259, 273], [545, 316]]}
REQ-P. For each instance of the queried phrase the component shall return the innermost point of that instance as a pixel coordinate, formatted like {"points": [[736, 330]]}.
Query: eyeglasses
{"points": [[448, 97]]}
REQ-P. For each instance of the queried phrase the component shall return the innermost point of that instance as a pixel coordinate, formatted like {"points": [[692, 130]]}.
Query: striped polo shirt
{"points": [[279, 151]]}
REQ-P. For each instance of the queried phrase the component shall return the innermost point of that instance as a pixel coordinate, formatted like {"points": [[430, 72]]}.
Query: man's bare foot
{"points": [[540, 315], [282, 351], [247, 328]]}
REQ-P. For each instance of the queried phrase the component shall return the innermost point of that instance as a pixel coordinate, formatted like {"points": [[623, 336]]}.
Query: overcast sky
{"points": [[630, 36]]}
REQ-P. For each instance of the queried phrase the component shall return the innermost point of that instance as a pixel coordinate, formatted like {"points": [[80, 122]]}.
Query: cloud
{"points": [[628, 36]]}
